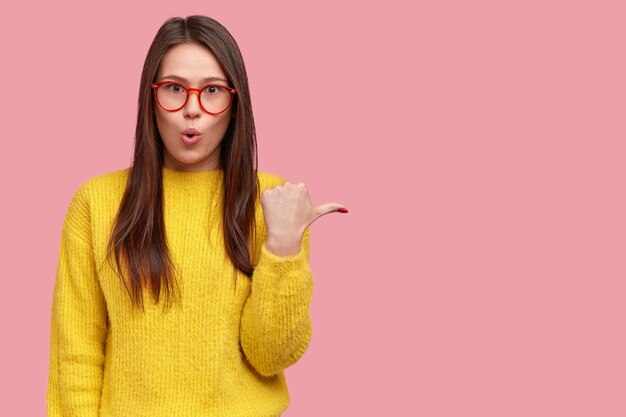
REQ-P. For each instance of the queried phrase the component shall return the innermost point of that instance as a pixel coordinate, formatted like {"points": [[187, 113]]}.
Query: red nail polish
{"points": [[342, 210]]}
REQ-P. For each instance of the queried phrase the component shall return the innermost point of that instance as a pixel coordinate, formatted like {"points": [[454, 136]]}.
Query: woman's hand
{"points": [[288, 211]]}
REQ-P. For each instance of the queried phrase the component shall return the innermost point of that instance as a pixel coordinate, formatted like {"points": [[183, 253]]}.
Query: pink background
{"points": [[479, 147]]}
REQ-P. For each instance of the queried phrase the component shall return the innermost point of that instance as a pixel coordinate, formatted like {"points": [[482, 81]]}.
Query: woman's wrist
{"points": [[283, 246]]}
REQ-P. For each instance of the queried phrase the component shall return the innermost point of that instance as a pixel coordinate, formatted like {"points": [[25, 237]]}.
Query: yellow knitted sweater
{"points": [[221, 353]]}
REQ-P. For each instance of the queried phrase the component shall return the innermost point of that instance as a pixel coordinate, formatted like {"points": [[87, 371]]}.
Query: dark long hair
{"points": [[138, 236]]}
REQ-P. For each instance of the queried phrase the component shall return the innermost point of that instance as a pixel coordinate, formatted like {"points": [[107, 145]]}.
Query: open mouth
{"points": [[190, 138]]}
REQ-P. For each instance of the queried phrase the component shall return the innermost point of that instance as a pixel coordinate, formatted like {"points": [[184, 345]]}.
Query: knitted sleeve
{"points": [[78, 320], [276, 321]]}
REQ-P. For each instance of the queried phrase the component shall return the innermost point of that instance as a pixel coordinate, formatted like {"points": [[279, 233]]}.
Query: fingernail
{"points": [[342, 210]]}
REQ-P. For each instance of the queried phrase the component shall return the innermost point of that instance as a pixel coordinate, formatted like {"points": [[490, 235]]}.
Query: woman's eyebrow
{"points": [[176, 77]]}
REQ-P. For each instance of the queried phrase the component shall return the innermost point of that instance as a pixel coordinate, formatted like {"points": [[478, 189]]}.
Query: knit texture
{"points": [[221, 351]]}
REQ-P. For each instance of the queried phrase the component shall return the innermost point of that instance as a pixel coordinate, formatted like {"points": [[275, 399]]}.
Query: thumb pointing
{"points": [[323, 209]]}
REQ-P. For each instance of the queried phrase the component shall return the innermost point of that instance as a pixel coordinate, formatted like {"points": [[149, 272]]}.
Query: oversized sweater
{"points": [[221, 353]]}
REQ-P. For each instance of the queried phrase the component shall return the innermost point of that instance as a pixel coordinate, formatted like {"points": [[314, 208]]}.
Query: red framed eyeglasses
{"points": [[173, 96]]}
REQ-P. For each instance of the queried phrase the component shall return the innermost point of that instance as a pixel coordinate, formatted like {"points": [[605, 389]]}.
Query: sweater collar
{"points": [[192, 180]]}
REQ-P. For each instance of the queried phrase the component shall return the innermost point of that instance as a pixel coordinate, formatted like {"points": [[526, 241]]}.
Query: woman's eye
{"points": [[212, 90], [174, 88]]}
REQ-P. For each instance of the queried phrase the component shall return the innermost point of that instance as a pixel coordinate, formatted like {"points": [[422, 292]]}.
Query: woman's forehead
{"points": [[191, 64]]}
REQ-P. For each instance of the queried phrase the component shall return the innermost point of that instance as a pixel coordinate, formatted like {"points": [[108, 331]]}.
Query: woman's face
{"points": [[192, 64]]}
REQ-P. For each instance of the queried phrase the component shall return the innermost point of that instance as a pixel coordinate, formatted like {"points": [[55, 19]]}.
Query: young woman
{"points": [[183, 283]]}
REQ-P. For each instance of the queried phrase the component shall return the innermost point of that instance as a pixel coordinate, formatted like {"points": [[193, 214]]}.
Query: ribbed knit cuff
{"points": [[286, 275]]}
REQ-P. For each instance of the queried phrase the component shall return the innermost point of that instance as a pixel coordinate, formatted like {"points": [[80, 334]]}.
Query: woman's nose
{"points": [[193, 103]]}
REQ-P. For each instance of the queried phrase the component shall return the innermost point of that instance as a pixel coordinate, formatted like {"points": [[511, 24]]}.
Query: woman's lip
{"points": [[190, 141]]}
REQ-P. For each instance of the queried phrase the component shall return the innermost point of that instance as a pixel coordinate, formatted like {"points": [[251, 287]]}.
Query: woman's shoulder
{"points": [[269, 180], [92, 192], [104, 183]]}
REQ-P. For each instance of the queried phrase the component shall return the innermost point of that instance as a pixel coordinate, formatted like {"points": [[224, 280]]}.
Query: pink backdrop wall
{"points": [[479, 147]]}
